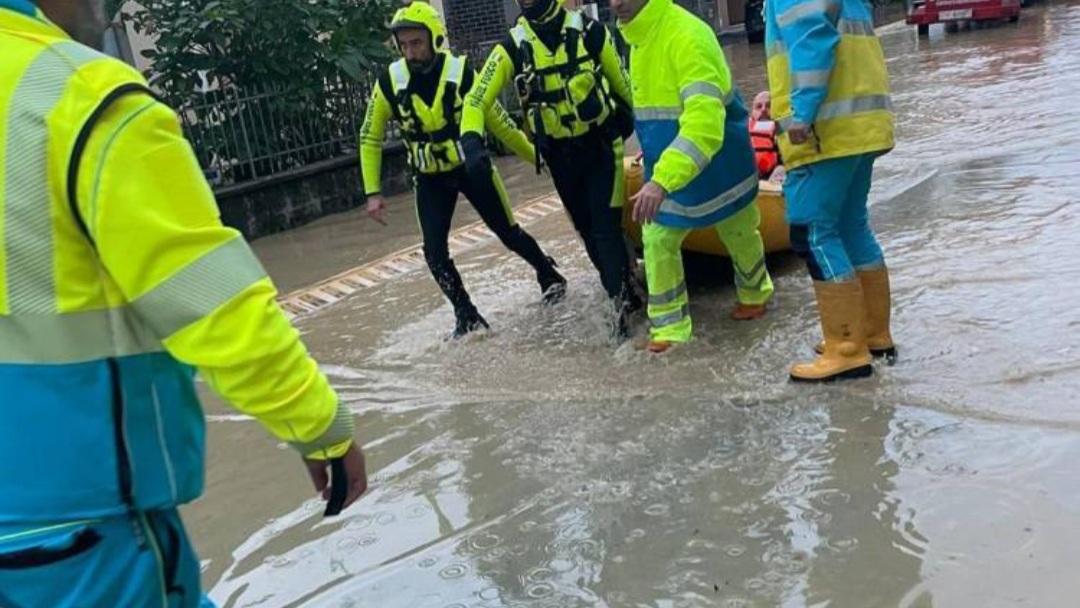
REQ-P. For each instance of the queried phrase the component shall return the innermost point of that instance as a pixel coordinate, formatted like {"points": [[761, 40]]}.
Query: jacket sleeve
{"points": [[195, 282], [704, 81], [808, 30], [611, 65], [502, 126], [497, 71], [371, 140]]}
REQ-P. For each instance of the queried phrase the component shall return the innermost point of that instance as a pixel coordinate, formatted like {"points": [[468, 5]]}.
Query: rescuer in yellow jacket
{"points": [[423, 91], [576, 100], [699, 164], [117, 283], [830, 95]]}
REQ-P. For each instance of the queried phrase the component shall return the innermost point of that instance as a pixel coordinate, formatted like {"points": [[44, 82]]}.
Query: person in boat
{"points": [[830, 96], [424, 91], [763, 132], [696, 175]]}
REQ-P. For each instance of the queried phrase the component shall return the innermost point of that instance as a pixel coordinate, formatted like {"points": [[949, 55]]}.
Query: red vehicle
{"points": [[953, 12]]}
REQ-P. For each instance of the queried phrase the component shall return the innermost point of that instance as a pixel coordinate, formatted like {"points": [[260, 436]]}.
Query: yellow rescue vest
{"points": [[564, 92], [431, 133]]}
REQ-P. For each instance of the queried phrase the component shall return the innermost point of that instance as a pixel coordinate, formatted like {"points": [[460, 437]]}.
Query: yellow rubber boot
{"points": [[875, 285], [876, 292], [841, 307]]}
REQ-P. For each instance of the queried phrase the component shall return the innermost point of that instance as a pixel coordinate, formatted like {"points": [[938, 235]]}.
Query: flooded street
{"points": [[538, 466]]}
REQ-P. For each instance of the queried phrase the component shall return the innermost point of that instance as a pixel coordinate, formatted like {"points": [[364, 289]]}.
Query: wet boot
{"points": [[878, 296], [620, 321], [552, 284], [842, 309], [875, 285], [468, 321]]}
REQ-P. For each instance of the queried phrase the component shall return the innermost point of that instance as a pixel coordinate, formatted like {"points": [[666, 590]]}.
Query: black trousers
{"points": [[436, 199], [588, 175]]}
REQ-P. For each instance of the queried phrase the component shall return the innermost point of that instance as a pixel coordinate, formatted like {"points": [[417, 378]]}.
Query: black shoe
{"points": [[552, 284], [468, 321]]}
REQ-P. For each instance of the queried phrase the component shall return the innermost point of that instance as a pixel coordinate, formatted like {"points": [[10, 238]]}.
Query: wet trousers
{"points": [[830, 223], [588, 175], [436, 199], [669, 304], [143, 560]]}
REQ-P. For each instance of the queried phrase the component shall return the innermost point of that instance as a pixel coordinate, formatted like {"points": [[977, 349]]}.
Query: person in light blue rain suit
{"points": [[830, 95]]}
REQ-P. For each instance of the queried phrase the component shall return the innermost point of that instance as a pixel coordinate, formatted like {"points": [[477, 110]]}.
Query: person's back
{"points": [[117, 279]]}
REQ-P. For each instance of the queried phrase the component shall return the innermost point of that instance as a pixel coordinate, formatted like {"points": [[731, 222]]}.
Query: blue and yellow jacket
{"points": [[827, 69], [117, 282]]}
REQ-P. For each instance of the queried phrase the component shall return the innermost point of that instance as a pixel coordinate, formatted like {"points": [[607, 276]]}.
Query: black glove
{"points": [[477, 160]]}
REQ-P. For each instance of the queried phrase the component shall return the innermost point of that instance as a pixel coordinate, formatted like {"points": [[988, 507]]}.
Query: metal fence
{"points": [[243, 135]]}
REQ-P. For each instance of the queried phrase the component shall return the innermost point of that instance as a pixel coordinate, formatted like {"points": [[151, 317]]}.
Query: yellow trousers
{"points": [[669, 305]]}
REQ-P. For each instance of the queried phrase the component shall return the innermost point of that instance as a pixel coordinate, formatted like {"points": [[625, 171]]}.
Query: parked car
{"points": [[755, 21], [923, 13]]}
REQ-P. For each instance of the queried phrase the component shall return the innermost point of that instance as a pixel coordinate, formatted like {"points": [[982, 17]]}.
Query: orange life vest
{"points": [[766, 154]]}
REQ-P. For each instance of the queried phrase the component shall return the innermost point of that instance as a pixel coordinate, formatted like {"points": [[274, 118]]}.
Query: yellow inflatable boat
{"points": [[774, 228]]}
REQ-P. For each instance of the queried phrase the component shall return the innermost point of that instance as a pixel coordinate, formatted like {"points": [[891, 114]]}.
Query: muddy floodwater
{"points": [[539, 466]]}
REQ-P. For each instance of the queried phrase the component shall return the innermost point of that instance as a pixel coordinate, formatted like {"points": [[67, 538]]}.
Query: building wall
{"points": [[475, 25]]}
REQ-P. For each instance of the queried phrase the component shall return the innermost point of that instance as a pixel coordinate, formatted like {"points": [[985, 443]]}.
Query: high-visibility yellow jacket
{"points": [[689, 117], [571, 89], [431, 130], [117, 282], [827, 69]]}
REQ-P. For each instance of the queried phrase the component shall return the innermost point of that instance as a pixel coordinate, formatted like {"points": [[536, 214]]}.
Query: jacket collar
{"points": [[641, 28]]}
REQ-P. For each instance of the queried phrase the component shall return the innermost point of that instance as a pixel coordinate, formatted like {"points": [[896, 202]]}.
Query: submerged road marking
{"points": [[325, 293]]}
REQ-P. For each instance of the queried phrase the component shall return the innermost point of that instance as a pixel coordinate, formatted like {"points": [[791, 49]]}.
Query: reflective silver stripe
{"points": [[776, 48], [341, 430], [456, 69], [199, 288], [690, 149], [701, 88], [399, 75], [849, 27], [74, 337], [746, 280], [658, 113], [810, 78], [671, 318], [668, 296], [27, 213], [735, 193], [812, 7], [574, 20], [856, 105], [709, 90], [519, 35]]}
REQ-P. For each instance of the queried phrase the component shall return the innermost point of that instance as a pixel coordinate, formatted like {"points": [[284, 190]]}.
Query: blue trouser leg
{"points": [[859, 241], [143, 560], [816, 196]]}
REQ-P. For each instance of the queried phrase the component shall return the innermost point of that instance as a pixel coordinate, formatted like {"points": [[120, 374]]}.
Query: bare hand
{"points": [[376, 208], [355, 470], [799, 133], [647, 202]]}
